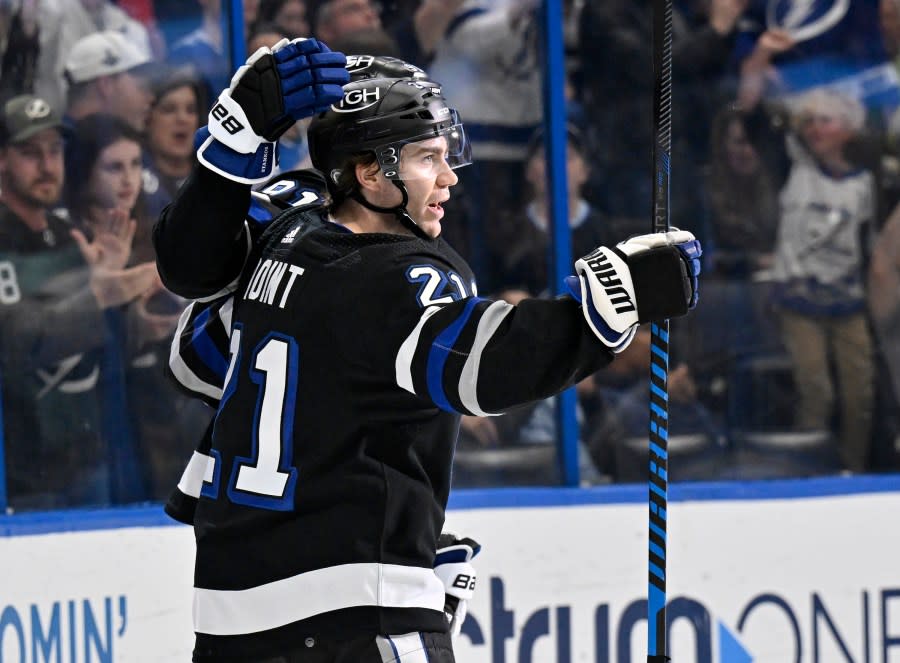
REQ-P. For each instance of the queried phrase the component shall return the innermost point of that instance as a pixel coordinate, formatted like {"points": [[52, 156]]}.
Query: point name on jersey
{"points": [[266, 282]]}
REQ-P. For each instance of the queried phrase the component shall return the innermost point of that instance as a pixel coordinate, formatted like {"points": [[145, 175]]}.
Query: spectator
{"points": [[107, 74], [619, 413], [412, 32], [889, 21], [742, 186], [354, 25], [144, 13], [618, 33], [519, 239], [336, 18], [20, 49], [57, 285], [263, 34], [106, 180], [103, 172], [826, 217], [884, 294], [368, 40], [96, 15], [63, 23], [418, 26], [488, 62], [288, 16], [173, 119]]}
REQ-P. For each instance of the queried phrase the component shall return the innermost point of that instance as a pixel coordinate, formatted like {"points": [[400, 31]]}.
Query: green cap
{"points": [[24, 116]]}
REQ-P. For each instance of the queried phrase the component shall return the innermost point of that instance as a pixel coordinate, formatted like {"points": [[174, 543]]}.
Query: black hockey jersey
{"points": [[351, 358]]}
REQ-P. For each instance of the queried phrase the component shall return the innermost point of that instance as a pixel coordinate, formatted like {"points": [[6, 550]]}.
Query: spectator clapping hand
{"points": [[107, 254], [110, 247]]}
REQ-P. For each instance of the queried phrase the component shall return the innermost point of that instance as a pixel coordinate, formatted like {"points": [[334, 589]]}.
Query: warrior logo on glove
{"points": [[619, 297], [647, 278]]}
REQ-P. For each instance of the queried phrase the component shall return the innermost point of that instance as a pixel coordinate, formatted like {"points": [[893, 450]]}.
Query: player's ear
{"points": [[367, 175]]}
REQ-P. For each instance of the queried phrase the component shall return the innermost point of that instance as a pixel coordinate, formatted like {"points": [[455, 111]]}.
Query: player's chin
{"points": [[430, 220], [430, 226]]}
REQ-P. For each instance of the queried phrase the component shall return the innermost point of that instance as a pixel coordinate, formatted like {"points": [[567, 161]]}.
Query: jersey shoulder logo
{"points": [[291, 235]]}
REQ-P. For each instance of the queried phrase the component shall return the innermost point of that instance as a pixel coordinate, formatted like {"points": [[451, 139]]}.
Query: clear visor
{"points": [[427, 156]]}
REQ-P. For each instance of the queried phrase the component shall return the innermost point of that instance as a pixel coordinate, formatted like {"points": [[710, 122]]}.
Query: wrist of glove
{"points": [[452, 564], [274, 88], [648, 278], [250, 168]]}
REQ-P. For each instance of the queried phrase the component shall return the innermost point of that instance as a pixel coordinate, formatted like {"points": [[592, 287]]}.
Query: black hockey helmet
{"points": [[362, 67], [380, 116]]}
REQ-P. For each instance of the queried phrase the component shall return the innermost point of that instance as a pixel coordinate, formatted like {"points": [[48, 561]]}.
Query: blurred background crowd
{"points": [[786, 164]]}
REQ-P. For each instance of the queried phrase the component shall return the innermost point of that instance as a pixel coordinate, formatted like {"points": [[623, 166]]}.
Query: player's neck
{"points": [[360, 219]]}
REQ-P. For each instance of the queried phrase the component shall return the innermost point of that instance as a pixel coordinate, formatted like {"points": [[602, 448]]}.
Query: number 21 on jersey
{"points": [[266, 478]]}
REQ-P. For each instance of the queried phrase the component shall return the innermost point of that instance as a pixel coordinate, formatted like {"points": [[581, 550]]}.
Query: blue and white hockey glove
{"points": [[276, 87], [453, 565], [647, 278]]}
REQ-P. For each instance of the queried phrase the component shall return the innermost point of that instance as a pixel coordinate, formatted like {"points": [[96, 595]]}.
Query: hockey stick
{"points": [[659, 343]]}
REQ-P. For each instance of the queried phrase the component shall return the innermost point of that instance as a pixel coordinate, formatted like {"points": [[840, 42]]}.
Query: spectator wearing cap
{"points": [[33, 137], [56, 288], [61, 24], [108, 74]]}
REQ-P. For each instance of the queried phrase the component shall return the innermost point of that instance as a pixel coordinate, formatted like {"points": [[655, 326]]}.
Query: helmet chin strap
{"points": [[399, 211]]}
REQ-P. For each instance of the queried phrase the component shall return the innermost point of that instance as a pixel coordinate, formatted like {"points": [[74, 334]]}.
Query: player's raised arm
{"points": [[199, 239]]}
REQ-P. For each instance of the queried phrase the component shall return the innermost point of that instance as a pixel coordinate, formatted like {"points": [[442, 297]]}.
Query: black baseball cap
{"points": [[24, 116]]}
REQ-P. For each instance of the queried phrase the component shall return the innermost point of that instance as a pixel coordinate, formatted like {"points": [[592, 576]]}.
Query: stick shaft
{"points": [[659, 343]]}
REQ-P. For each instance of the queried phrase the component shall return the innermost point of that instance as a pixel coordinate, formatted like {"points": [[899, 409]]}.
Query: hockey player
{"points": [[200, 353], [357, 340]]}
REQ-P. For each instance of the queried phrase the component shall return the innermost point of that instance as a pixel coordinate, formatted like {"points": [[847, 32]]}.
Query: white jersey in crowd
{"points": [[823, 231], [487, 63]]}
